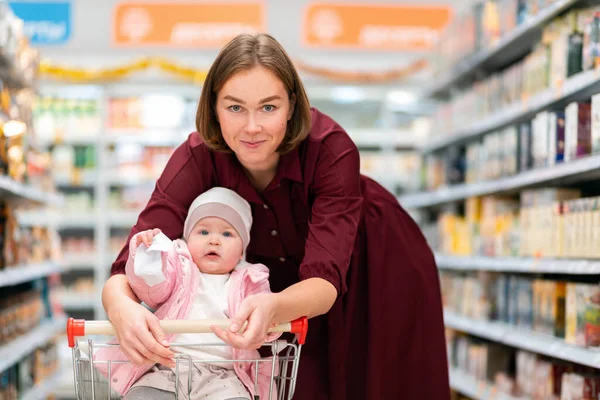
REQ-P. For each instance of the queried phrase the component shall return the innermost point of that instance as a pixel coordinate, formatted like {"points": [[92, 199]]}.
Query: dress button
{"points": [[266, 207], [281, 259], [274, 232]]}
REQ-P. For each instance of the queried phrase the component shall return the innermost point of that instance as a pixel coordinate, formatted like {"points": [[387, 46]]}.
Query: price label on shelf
{"points": [[76, 176], [558, 89], [525, 101]]}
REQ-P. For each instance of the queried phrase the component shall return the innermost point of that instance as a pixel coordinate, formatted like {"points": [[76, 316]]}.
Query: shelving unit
{"points": [[19, 192], [11, 352], [587, 168], [25, 273], [512, 46], [79, 301], [579, 86], [495, 75], [44, 389], [518, 265], [475, 389], [523, 339]]}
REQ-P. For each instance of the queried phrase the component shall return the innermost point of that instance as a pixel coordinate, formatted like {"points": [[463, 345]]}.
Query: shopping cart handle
{"points": [[81, 327]]}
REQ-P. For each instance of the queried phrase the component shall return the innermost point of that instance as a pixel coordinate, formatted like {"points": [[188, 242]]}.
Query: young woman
{"points": [[339, 247]]}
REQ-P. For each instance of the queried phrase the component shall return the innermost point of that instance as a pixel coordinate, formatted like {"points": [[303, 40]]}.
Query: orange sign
{"points": [[374, 26], [185, 24]]}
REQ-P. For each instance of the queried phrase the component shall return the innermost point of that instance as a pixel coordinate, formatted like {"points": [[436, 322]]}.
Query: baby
{"points": [[204, 277]]}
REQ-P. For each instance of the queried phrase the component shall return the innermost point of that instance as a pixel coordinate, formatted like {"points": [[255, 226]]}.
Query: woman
{"points": [[339, 247]]}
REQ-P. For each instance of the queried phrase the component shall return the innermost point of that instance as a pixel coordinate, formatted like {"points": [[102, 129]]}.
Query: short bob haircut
{"points": [[244, 52]]}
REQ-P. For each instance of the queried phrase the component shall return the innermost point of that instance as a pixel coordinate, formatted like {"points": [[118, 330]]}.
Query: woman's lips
{"points": [[252, 145]]}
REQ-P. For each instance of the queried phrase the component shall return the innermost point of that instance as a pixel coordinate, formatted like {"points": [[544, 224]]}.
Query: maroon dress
{"points": [[384, 336]]}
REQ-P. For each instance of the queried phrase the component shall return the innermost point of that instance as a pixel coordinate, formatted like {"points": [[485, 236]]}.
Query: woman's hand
{"points": [[259, 311], [139, 333], [146, 237]]}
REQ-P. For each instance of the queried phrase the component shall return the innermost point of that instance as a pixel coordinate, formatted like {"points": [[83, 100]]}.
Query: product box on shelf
{"points": [[589, 19], [556, 138], [578, 130], [595, 127]]}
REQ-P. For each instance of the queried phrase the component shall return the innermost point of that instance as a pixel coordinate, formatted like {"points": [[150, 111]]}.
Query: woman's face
{"points": [[253, 109]]}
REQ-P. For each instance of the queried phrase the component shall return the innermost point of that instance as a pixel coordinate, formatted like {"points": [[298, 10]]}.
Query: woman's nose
{"points": [[253, 126]]}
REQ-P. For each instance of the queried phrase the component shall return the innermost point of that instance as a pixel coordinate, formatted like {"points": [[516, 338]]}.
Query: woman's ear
{"points": [[292, 106]]}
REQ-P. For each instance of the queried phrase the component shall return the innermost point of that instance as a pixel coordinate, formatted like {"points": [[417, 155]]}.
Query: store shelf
{"points": [[518, 264], [587, 168], [120, 179], [24, 273], [123, 218], [74, 301], [524, 339], [511, 47], [146, 137], [78, 220], [14, 350], [385, 139], [59, 219], [44, 389], [86, 178], [79, 261], [18, 191], [579, 86], [71, 140], [476, 389]]}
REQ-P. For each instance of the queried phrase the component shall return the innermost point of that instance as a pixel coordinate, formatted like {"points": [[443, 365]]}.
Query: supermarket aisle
{"points": [[498, 161], [510, 200]]}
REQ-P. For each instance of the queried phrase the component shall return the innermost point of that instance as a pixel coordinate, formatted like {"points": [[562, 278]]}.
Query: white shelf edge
{"points": [[123, 219], [519, 181], [26, 192], [524, 339], [79, 261], [58, 219], [14, 350], [384, 138], [78, 301], [512, 112], [43, 389], [476, 389], [474, 61], [518, 264], [24, 273]]}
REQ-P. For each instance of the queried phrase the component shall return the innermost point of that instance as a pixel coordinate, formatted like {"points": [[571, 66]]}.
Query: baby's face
{"points": [[215, 246]]}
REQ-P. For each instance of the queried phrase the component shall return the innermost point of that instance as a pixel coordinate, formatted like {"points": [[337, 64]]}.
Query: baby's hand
{"points": [[146, 237]]}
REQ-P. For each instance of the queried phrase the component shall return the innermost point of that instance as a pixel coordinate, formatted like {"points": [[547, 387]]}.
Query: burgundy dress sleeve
{"points": [[188, 173], [336, 211]]}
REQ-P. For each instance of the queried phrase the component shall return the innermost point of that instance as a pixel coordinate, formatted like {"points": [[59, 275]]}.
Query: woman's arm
{"points": [[309, 298]]}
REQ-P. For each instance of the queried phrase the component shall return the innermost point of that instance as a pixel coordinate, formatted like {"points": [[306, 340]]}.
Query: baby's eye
{"points": [[227, 234], [235, 108], [204, 232]]}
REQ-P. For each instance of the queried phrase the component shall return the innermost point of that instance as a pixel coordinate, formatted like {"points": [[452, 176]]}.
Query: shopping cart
{"points": [[91, 385]]}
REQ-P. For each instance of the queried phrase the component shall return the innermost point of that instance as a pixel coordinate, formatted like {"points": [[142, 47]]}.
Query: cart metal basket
{"points": [[90, 384]]}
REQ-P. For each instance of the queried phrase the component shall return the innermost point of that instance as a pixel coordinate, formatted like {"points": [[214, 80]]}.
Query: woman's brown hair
{"points": [[244, 52]]}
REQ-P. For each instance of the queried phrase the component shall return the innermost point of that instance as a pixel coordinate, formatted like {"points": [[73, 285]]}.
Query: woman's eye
{"points": [[227, 234], [204, 232], [269, 107], [235, 108]]}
